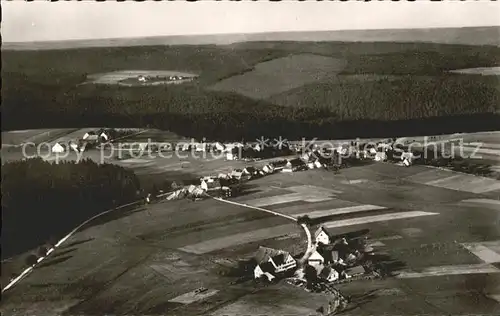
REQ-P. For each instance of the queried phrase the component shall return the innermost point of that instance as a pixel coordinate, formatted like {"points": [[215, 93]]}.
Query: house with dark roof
{"points": [[329, 274], [278, 165], [250, 171], [280, 260], [265, 269], [293, 165], [354, 271]]}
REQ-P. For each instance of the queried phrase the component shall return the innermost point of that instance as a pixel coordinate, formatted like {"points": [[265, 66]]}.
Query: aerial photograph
{"points": [[240, 158]]}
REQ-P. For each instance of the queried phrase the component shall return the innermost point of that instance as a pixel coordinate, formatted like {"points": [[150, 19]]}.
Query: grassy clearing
{"points": [[130, 76], [35, 135], [280, 75]]}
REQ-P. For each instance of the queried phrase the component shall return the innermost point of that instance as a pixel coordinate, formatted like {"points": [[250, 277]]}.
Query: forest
{"points": [[42, 200], [44, 89]]}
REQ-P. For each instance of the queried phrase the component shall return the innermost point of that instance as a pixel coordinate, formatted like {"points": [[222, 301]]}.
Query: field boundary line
{"points": [[135, 134], [459, 172], [255, 208]]}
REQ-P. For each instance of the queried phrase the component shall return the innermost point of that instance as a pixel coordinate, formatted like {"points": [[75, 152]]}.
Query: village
{"points": [[332, 259]]}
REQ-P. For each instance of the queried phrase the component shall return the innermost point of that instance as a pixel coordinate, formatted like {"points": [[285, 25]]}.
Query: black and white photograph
{"points": [[244, 158]]}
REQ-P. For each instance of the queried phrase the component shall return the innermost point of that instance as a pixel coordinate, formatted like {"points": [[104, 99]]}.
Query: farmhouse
{"points": [[316, 259], [57, 148], [280, 260], [322, 235]]}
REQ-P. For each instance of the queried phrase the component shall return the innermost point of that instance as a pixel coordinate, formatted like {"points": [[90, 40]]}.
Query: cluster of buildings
{"points": [[333, 259], [142, 78], [337, 258], [89, 139]]}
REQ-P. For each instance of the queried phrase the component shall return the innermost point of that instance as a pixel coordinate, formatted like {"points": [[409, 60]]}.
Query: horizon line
{"points": [[249, 33]]}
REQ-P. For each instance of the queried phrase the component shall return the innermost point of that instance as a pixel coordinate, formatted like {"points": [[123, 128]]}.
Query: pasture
{"points": [[280, 75]]}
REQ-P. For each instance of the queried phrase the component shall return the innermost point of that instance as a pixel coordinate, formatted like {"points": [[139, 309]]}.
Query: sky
{"points": [[47, 21]]}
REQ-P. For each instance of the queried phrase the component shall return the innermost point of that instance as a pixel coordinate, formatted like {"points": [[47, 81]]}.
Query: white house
{"points": [[322, 236], [237, 174], [204, 185], [316, 259], [57, 148], [91, 137], [264, 269], [104, 137], [230, 156], [280, 260], [268, 169]]}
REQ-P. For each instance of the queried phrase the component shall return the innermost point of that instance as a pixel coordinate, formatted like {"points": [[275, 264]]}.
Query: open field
{"points": [[282, 74], [15, 138], [120, 77], [143, 262]]}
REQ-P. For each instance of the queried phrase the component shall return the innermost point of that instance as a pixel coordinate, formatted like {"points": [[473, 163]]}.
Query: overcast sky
{"points": [[43, 21]]}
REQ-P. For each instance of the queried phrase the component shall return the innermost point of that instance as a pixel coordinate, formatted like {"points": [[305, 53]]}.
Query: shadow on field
{"points": [[52, 262], [62, 253], [76, 243], [360, 299], [247, 192], [387, 265], [353, 234], [112, 216]]}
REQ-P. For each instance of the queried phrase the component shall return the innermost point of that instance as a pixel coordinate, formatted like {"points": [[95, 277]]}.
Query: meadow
{"points": [[280, 75], [291, 89]]}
